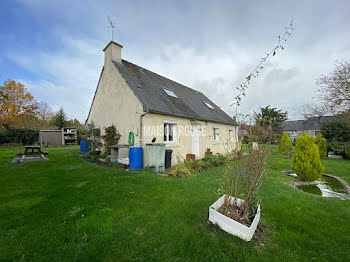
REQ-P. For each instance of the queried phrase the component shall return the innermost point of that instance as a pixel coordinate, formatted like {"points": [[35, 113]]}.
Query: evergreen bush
{"points": [[348, 153], [321, 142], [306, 162], [110, 138], [23, 136], [285, 147]]}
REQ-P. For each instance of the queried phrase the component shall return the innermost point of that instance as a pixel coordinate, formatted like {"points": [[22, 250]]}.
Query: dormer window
{"points": [[209, 105], [169, 93]]}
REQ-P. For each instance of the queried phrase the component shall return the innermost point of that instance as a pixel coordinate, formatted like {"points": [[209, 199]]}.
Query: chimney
{"points": [[113, 51]]}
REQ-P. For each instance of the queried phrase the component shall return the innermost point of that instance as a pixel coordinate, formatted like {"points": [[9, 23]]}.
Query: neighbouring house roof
{"points": [[152, 91], [313, 123]]}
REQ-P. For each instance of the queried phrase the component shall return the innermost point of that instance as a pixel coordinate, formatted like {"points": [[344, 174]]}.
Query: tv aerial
{"points": [[111, 25]]}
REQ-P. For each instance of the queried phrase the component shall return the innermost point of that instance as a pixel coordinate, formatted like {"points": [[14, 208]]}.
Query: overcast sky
{"points": [[55, 47]]}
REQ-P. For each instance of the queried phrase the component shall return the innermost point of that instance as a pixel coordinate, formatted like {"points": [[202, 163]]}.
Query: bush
{"points": [[23, 136], [109, 138], [338, 147], [285, 147], [195, 166], [180, 171], [93, 136], [321, 142], [306, 162], [214, 160], [348, 153], [336, 129]]}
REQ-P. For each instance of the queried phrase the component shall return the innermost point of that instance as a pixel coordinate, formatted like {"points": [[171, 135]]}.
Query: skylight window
{"points": [[209, 105], [169, 92]]}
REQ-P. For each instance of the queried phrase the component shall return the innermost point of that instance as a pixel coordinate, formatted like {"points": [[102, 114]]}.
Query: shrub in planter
{"points": [[306, 161], [321, 142], [285, 147], [237, 211], [110, 138]]}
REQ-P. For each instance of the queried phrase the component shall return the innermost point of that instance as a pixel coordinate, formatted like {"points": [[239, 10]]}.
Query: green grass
{"points": [[68, 209]]}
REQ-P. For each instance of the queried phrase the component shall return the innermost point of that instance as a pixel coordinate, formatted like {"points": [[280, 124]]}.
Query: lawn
{"points": [[68, 209]]}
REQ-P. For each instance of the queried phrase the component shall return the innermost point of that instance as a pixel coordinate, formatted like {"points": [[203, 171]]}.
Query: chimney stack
{"points": [[113, 51]]}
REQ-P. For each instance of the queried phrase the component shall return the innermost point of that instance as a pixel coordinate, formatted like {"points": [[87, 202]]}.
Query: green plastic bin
{"points": [[156, 157]]}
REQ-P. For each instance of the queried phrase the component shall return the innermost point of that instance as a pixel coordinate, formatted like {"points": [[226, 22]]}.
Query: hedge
{"points": [[23, 136]]}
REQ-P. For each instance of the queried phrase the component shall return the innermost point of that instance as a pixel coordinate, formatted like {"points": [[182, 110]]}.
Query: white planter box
{"points": [[231, 226]]}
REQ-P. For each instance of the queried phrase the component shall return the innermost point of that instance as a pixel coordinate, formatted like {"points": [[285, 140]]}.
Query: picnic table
{"points": [[33, 151]]}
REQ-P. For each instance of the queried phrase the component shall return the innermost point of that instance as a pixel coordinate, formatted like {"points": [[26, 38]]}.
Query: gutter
{"points": [[140, 138]]}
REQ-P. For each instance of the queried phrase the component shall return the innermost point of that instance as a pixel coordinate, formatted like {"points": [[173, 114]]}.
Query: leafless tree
{"points": [[334, 89], [44, 111], [314, 109]]}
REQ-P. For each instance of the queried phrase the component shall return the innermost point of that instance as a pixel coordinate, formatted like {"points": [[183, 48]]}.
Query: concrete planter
{"points": [[231, 226]]}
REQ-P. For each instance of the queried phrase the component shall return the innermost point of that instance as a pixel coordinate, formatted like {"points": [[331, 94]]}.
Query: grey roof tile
{"points": [[148, 88]]}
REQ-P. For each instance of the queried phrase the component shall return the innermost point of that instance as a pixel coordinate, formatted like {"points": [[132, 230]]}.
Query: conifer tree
{"points": [[321, 142], [285, 147], [306, 161]]}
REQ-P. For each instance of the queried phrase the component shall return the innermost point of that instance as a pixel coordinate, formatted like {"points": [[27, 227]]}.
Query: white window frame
{"points": [[208, 105], [170, 93], [175, 132], [216, 135], [231, 138]]}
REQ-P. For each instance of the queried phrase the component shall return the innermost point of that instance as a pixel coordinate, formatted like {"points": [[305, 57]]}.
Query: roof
{"points": [[313, 123], [149, 87]]}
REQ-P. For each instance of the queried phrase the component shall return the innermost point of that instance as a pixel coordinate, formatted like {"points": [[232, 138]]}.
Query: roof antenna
{"points": [[111, 25]]}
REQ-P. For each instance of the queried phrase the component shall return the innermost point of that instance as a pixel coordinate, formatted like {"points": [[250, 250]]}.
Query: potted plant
{"points": [[117, 136], [237, 211], [190, 156], [207, 153]]}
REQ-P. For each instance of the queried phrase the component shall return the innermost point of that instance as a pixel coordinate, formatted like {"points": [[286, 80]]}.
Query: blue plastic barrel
{"points": [[84, 146], [135, 158]]}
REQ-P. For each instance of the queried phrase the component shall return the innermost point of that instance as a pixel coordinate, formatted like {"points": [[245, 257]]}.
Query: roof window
{"points": [[208, 105], [170, 93]]}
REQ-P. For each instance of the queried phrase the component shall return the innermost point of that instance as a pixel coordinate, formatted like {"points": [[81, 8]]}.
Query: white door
{"points": [[195, 139]]}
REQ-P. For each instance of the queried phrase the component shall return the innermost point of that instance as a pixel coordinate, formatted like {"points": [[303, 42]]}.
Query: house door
{"points": [[195, 139]]}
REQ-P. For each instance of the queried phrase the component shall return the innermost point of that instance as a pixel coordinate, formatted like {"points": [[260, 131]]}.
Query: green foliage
{"points": [[348, 153], [338, 147], [337, 133], [23, 136], [109, 138], [180, 171], [192, 167], [245, 140], [285, 147], [306, 162], [93, 136], [60, 119], [336, 129], [196, 166], [214, 160], [270, 117], [321, 142]]}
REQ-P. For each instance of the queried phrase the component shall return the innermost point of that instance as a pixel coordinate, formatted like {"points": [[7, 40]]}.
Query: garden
{"points": [[70, 209]]}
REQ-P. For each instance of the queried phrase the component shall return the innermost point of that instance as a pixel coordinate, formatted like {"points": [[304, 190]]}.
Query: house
{"points": [[137, 100], [311, 126]]}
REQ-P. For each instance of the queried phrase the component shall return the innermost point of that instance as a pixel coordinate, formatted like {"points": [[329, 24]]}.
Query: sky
{"points": [[55, 47]]}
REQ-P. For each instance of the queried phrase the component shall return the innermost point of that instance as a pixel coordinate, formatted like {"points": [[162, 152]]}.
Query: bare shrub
{"points": [[241, 178]]}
